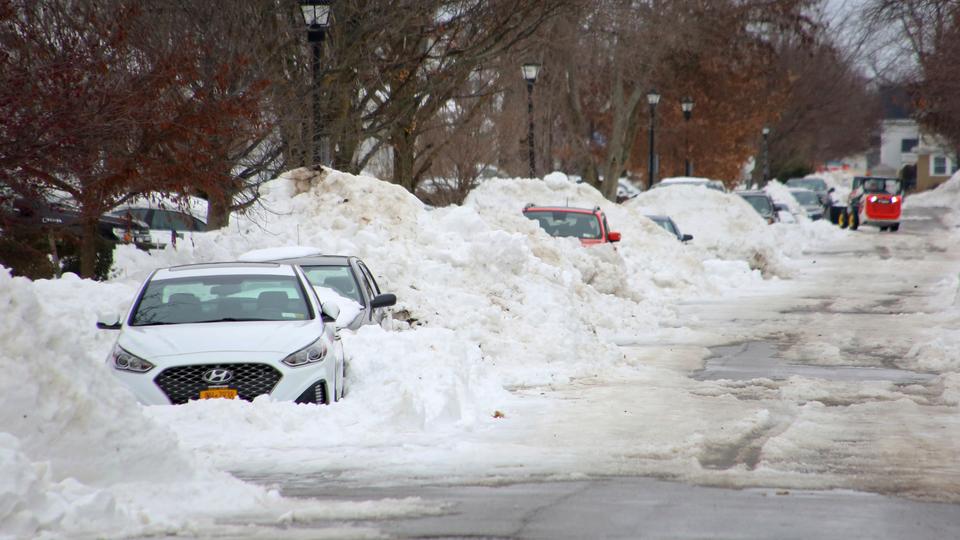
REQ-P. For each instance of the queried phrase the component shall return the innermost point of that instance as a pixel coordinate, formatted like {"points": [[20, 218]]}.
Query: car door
{"points": [[370, 285]]}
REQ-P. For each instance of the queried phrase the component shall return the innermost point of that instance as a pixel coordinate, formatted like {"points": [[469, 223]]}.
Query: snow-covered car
{"points": [[587, 224], [227, 330], [809, 201], [352, 281], [814, 184], [668, 225], [762, 203], [626, 190], [166, 226], [690, 181]]}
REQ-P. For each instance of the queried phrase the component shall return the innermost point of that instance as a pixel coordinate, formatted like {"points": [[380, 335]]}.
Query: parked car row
{"points": [[242, 329]]}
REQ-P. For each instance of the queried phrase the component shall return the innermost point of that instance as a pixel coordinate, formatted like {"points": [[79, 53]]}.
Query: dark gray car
{"points": [[762, 203], [351, 278], [668, 225]]}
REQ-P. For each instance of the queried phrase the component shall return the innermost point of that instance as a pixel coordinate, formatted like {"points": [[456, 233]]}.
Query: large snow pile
{"points": [[486, 301], [945, 195], [723, 224], [76, 452]]}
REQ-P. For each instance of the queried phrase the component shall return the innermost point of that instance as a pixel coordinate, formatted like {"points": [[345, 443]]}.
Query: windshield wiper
{"points": [[233, 319]]}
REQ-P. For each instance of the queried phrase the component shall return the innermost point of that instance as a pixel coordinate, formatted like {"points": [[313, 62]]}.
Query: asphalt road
{"points": [[632, 507]]}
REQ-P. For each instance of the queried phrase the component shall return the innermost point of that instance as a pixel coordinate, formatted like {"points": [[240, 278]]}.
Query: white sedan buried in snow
{"points": [[228, 330]]}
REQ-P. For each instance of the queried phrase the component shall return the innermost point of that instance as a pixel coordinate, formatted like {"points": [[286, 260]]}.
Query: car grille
{"points": [[184, 383]]}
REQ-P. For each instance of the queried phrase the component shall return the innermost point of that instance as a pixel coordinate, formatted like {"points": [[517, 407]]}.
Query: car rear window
{"points": [[566, 224], [203, 299]]}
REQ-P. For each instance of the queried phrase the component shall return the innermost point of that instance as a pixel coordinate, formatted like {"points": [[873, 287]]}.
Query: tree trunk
{"points": [[621, 137], [404, 142], [218, 212], [88, 247]]}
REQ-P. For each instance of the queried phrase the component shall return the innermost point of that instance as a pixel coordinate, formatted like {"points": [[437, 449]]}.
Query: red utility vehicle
{"points": [[589, 225], [874, 200]]}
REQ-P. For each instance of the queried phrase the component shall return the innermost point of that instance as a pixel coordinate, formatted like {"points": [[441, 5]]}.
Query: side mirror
{"points": [[109, 321], [383, 300], [329, 311], [613, 236], [686, 238]]}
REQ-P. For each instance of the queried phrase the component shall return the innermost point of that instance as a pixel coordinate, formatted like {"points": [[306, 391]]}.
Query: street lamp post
{"points": [[766, 156], [652, 99], [530, 72], [686, 105], [316, 14]]}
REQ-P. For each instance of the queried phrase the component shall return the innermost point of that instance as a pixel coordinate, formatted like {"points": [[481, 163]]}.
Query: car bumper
{"points": [[292, 383]]}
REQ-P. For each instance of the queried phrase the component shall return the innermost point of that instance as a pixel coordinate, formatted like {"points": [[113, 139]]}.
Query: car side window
{"points": [[368, 282], [142, 214]]}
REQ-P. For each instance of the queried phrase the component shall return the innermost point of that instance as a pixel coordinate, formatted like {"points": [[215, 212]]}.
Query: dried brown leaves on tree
{"points": [[90, 108]]}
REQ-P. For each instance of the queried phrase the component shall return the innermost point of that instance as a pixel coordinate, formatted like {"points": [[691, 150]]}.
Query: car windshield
{"points": [[805, 197], [567, 224], [337, 277], [760, 203], [815, 184], [177, 221], [203, 299], [666, 224], [881, 185]]}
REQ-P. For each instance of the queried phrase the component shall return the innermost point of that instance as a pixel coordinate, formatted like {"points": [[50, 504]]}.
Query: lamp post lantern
{"points": [[530, 72], [652, 99], [686, 105], [316, 15], [766, 156]]}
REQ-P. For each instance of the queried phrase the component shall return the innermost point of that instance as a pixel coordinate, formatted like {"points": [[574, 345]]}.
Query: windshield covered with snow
{"points": [[338, 278]]}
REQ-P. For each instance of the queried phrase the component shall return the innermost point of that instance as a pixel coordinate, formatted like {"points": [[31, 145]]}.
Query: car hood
{"points": [[251, 336]]}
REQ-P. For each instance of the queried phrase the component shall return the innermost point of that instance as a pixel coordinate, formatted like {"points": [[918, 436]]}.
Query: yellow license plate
{"points": [[218, 393]]}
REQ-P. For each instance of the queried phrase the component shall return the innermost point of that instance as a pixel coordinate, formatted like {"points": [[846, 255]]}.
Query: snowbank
{"points": [[486, 302]]}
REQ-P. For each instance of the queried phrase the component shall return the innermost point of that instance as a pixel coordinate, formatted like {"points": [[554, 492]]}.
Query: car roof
{"points": [[752, 192], [225, 268], [318, 260], [571, 209]]}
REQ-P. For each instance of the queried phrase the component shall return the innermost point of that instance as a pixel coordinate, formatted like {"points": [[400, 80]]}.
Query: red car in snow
{"points": [[589, 225], [874, 201]]}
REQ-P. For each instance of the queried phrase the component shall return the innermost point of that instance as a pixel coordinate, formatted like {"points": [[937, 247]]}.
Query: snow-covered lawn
{"points": [[501, 335]]}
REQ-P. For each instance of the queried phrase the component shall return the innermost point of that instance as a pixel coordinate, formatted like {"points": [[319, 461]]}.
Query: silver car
{"points": [[350, 278], [809, 201]]}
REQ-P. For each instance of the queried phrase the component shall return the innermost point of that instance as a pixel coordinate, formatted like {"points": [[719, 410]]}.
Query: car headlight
{"points": [[894, 199], [874, 198], [311, 354], [124, 361]]}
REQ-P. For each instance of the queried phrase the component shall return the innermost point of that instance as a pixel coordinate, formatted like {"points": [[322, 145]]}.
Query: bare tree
{"points": [[929, 32], [613, 52]]}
